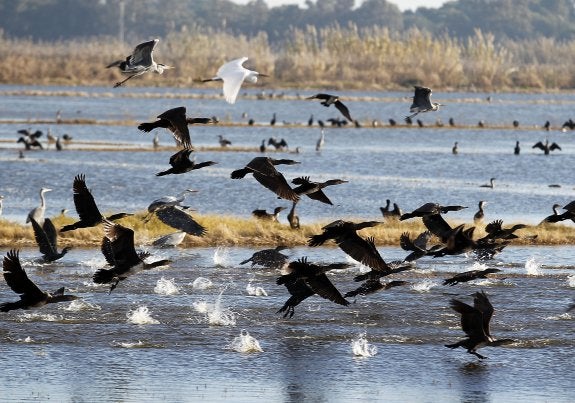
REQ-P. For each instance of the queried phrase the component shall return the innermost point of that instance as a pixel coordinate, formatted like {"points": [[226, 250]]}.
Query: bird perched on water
{"points": [[468, 276], [327, 100], [517, 149], [47, 240], [264, 215], [86, 207], [139, 62], [313, 190], [120, 253], [422, 102], [455, 148], [475, 323], [223, 141], [344, 233], [303, 279], [181, 163], [38, 212], [264, 171], [546, 147], [268, 258], [30, 295], [176, 121], [489, 185], [233, 74], [478, 216]]}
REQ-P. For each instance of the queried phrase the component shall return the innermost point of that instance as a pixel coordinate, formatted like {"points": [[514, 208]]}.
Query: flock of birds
{"points": [[301, 278]]}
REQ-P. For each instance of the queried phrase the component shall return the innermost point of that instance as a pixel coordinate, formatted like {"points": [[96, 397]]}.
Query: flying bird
{"points": [[176, 121], [264, 171], [178, 219], [264, 215], [422, 102], [468, 276], [181, 163], [475, 323], [268, 258], [327, 100], [47, 240], [86, 207], [313, 190], [371, 286], [233, 74], [139, 62], [30, 295]]}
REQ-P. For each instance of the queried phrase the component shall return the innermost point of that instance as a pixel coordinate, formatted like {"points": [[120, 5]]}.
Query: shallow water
{"points": [[167, 333]]}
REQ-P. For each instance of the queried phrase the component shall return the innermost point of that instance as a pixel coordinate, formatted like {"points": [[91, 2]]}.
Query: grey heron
{"points": [[86, 207], [320, 142], [328, 99], [30, 295], [178, 219], [422, 102], [169, 200], [176, 121], [223, 141], [170, 240], [38, 212], [181, 163], [120, 253], [475, 323], [47, 240], [139, 62], [264, 171], [546, 147], [233, 74], [468, 276], [313, 190]]}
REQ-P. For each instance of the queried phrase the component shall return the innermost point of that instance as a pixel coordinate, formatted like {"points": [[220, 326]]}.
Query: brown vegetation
{"points": [[372, 58], [234, 231]]}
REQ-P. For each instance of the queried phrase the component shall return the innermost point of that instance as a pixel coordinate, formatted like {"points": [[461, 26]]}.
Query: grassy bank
{"points": [[234, 231], [335, 57]]}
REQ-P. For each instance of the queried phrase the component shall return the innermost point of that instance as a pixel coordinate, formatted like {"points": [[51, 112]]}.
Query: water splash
{"points": [[563, 316], [166, 286], [201, 306], [79, 305], [141, 316], [571, 280], [424, 286], [221, 256], [219, 316], [45, 317], [28, 339], [245, 343], [202, 283], [256, 291], [533, 267], [127, 344], [361, 348]]}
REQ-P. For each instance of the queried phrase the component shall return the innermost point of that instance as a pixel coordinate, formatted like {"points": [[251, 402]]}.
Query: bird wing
{"points": [[42, 239], [107, 251], [142, 54], [277, 184], [84, 201], [233, 75], [50, 231], [343, 109], [421, 99], [324, 288], [437, 226], [17, 279], [539, 145], [178, 219], [179, 129], [122, 244], [180, 158], [482, 304], [370, 286], [555, 146], [319, 195], [362, 250], [471, 318]]}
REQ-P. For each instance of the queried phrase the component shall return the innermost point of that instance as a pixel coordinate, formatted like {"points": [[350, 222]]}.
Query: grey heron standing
{"points": [[38, 212], [139, 62], [422, 102]]}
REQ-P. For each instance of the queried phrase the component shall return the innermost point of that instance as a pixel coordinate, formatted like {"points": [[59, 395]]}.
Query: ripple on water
{"points": [[79, 305]]}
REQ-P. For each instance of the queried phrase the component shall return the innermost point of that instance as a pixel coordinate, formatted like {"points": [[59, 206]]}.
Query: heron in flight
{"points": [[233, 74], [475, 323], [30, 295], [422, 102], [327, 100], [139, 62]]}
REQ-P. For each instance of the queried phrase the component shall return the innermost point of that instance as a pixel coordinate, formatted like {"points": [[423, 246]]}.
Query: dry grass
{"points": [[342, 57], [234, 231]]}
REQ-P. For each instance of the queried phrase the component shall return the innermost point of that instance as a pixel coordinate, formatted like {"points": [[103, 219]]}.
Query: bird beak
{"points": [[168, 67], [262, 75]]}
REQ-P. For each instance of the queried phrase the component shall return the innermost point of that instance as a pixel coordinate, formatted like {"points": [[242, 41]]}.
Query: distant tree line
{"points": [[134, 20]]}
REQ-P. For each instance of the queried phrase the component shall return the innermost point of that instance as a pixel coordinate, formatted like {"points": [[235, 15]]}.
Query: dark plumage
{"points": [[468, 276], [371, 286], [264, 215], [293, 218], [264, 171], [47, 240], [417, 247], [120, 253], [430, 208], [176, 218], [480, 214], [315, 281], [475, 323], [546, 147], [328, 100], [313, 190], [30, 295], [556, 217], [177, 122], [181, 163], [268, 258], [86, 207]]}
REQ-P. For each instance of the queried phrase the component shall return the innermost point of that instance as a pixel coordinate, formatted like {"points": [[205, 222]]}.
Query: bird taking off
{"points": [[422, 102], [233, 75], [139, 62], [328, 100]]}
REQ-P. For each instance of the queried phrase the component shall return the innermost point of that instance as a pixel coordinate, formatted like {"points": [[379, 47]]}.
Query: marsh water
{"points": [[206, 328]]}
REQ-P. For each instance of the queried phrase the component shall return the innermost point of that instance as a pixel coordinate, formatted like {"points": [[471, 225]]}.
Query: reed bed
{"points": [[223, 230], [333, 57]]}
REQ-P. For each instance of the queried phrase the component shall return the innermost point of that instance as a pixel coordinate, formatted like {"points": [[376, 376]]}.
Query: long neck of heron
{"points": [[42, 200]]}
